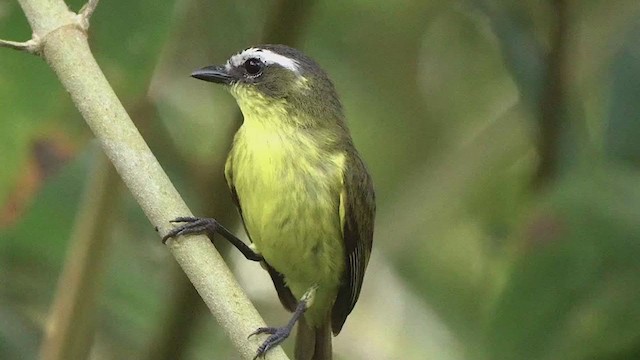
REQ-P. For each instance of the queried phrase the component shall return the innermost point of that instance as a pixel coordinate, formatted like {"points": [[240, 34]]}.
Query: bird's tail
{"points": [[313, 343]]}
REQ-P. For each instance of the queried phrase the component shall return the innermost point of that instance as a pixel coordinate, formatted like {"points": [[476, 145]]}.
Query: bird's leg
{"points": [[279, 334], [209, 226]]}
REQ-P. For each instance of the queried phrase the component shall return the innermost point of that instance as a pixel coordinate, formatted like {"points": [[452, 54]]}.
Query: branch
{"points": [[65, 49]]}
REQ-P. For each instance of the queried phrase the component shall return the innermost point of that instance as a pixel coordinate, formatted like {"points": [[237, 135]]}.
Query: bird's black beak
{"points": [[216, 74]]}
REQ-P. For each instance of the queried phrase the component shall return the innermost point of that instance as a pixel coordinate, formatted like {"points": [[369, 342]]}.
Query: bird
{"points": [[303, 192]]}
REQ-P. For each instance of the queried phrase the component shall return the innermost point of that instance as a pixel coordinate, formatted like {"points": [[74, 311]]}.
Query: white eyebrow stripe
{"points": [[266, 56]]}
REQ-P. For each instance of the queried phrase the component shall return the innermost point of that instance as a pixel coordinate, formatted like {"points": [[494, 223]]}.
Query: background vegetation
{"points": [[503, 138]]}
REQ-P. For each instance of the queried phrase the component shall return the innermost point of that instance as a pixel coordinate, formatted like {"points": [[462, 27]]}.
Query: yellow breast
{"points": [[289, 190]]}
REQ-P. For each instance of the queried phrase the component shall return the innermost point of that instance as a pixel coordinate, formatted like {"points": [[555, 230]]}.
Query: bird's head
{"points": [[268, 77]]}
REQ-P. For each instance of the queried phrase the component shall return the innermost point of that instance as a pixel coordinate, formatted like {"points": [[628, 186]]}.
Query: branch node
{"points": [[32, 46], [84, 15]]}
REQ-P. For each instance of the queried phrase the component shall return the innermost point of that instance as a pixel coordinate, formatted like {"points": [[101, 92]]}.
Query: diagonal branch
{"points": [[66, 50]]}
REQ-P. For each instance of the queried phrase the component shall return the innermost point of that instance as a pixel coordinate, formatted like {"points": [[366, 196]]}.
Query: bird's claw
{"points": [[192, 225], [186, 219], [276, 336]]}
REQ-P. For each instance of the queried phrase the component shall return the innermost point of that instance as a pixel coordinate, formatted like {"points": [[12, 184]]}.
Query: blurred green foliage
{"points": [[471, 259]]}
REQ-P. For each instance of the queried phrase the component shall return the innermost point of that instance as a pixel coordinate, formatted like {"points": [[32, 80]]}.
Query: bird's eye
{"points": [[253, 66]]}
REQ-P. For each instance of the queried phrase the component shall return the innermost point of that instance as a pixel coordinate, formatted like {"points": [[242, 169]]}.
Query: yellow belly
{"points": [[289, 195]]}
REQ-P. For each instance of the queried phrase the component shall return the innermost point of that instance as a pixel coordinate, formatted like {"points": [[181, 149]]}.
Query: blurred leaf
{"points": [[513, 24], [29, 100], [127, 38], [31, 254], [45, 228], [46, 156], [573, 290], [442, 247]]}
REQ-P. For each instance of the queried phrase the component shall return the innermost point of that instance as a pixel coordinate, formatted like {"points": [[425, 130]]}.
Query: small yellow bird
{"points": [[302, 190]]}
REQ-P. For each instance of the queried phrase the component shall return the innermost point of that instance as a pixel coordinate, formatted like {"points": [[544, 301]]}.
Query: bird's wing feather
{"points": [[284, 293], [357, 212]]}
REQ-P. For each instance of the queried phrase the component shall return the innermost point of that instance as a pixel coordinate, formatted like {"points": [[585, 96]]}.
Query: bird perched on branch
{"points": [[302, 190]]}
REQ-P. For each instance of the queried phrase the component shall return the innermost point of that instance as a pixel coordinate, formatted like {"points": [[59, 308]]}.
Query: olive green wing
{"points": [[284, 293], [357, 212]]}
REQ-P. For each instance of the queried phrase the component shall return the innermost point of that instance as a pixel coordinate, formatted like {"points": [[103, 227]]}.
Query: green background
{"points": [[508, 184]]}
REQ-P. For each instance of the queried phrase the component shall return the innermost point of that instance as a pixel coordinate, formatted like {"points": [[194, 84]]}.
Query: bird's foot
{"points": [[192, 225], [276, 336]]}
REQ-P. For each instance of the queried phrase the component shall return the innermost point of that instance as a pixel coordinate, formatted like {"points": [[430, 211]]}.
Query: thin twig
{"points": [[31, 46], [84, 15], [87, 10]]}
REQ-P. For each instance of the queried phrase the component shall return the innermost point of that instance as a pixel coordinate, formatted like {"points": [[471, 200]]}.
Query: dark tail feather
{"points": [[313, 343], [323, 349]]}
